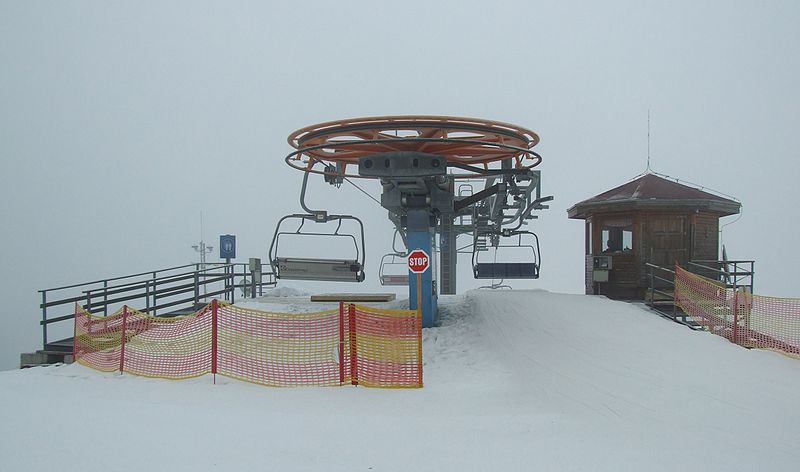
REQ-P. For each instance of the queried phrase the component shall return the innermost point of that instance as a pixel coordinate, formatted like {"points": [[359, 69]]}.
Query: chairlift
{"points": [[319, 269], [526, 269], [393, 270]]}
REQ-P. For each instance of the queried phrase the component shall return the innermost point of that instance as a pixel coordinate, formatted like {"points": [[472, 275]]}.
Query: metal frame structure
{"points": [[508, 270], [660, 296], [417, 160], [331, 270], [473, 145], [389, 260]]}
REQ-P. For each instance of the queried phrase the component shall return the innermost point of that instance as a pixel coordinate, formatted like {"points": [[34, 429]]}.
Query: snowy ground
{"points": [[513, 380]]}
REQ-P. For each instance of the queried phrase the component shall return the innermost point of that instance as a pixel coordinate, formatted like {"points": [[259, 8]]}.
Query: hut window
{"points": [[617, 235]]}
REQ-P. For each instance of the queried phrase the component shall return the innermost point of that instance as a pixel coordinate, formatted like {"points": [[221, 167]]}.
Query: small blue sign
{"points": [[227, 246]]}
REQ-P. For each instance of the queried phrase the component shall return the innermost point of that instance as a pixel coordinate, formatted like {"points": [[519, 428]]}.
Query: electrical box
{"points": [[601, 265], [255, 270], [601, 262]]}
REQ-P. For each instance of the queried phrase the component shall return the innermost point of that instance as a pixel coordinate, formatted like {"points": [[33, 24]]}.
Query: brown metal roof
{"points": [[653, 192]]}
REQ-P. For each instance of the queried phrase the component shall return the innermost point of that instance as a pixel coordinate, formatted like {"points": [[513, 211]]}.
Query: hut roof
{"points": [[653, 192]]}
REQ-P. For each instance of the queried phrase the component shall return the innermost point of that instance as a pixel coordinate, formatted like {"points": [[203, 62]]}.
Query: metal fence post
{"points": [[155, 294], [147, 296], [196, 288], [105, 298], [233, 284], [44, 318]]}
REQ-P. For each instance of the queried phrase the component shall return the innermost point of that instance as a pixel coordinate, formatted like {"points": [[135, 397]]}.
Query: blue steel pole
{"points": [[420, 236]]}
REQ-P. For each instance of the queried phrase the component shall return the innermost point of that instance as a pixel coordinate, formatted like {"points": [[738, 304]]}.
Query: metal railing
{"points": [[661, 290], [734, 274], [180, 288]]}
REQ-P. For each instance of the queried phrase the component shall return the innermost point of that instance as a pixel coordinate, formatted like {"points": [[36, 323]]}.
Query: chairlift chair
{"points": [[393, 270], [527, 269], [319, 269]]}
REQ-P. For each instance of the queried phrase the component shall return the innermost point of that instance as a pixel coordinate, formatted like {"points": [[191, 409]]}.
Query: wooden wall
{"points": [[663, 238], [705, 237]]}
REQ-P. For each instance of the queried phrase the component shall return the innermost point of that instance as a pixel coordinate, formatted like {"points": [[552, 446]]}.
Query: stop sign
{"points": [[418, 261]]}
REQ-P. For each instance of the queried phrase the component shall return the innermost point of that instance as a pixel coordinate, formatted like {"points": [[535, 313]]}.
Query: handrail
{"points": [[651, 269], [659, 267], [149, 272], [157, 293], [166, 279], [738, 273]]}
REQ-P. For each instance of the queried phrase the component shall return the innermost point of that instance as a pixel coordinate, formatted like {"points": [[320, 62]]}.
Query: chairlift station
{"points": [[428, 168]]}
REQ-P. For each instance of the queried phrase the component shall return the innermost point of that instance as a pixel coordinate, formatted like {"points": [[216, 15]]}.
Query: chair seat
{"points": [[329, 270]]}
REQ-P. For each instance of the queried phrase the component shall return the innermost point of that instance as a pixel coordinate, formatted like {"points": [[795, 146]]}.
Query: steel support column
{"points": [[420, 236]]}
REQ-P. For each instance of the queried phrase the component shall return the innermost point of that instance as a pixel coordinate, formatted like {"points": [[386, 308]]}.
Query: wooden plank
{"points": [[353, 297]]}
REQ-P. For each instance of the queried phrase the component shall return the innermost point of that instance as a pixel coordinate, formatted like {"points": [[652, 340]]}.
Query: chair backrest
{"points": [[506, 270]]}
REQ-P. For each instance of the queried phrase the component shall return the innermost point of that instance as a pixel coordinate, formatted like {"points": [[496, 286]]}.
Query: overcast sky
{"points": [[120, 122]]}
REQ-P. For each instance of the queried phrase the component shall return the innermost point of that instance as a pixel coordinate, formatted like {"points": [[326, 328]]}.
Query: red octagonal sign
{"points": [[418, 261]]}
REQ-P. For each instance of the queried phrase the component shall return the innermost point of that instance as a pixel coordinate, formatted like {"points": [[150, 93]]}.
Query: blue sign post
{"points": [[227, 247]]}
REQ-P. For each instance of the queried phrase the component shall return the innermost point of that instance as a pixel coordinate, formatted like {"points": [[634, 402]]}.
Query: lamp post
{"points": [[203, 249]]}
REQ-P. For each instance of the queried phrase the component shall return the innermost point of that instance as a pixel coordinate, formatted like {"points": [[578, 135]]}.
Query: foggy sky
{"points": [[121, 122]]}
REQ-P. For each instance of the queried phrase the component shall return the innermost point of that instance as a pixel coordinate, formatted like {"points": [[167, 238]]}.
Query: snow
{"points": [[513, 380], [284, 292]]}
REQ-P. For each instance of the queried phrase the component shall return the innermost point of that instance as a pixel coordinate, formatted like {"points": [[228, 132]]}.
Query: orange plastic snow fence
{"points": [[352, 345], [749, 320]]}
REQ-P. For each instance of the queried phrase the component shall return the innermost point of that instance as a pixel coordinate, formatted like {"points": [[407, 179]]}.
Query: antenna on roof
{"points": [[648, 141]]}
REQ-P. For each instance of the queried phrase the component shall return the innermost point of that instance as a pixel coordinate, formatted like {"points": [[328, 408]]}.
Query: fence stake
{"points": [[44, 319], [124, 335], [233, 284], [353, 350], [341, 343], [214, 318], [75, 334]]}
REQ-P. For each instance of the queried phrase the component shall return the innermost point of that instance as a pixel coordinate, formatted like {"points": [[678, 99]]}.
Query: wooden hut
{"points": [[649, 219]]}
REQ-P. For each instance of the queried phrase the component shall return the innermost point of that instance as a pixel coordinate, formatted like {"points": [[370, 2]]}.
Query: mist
{"points": [[120, 123]]}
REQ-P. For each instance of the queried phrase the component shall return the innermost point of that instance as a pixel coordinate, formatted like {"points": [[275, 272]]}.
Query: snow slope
{"points": [[514, 380]]}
